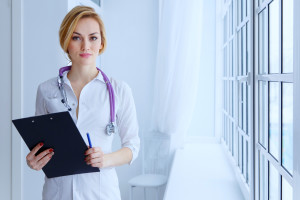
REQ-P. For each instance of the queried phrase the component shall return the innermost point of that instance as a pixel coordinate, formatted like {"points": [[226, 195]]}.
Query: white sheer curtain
{"points": [[176, 81], [177, 68]]}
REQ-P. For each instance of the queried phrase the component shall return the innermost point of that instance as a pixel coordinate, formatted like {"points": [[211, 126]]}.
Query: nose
{"points": [[85, 45]]}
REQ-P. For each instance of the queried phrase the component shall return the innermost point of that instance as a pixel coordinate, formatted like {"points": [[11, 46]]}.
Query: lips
{"points": [[85, 55]]}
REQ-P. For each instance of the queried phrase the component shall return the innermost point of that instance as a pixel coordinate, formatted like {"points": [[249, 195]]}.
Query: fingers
{"points": [[42, 154], [32, 153], [93, 150], [95, 162], [94, 157], [41, 163]]}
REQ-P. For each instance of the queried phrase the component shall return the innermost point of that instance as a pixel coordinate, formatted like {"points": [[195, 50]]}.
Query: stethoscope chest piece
{"points": [[111, 128]]}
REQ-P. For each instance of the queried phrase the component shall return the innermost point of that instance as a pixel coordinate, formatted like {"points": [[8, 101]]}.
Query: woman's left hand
{"points": [[95, 157]]}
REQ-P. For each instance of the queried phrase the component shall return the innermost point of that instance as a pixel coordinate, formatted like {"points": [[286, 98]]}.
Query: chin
{"points": [[86, 62]]}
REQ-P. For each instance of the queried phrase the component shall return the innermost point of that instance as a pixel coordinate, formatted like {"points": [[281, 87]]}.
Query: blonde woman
{"points": [[82, 89]]}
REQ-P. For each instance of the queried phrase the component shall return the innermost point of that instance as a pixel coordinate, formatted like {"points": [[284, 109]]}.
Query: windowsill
{"points": [[212, 177]]}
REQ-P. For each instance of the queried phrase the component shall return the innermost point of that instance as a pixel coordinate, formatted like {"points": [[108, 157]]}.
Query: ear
{"points": [[100, 48]]}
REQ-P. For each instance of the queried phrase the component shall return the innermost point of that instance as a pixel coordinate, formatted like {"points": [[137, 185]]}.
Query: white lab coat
{"points": [[93, 116]]}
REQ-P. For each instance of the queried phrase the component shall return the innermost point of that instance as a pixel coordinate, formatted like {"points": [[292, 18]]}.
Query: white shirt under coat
{"points": [[93, 117]]}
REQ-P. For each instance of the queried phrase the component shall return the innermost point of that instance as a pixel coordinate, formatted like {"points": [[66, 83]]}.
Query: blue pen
{"points": [[89, 139]]}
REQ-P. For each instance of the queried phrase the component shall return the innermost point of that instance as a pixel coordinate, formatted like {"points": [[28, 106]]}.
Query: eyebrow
{"points": [[89, 34]]}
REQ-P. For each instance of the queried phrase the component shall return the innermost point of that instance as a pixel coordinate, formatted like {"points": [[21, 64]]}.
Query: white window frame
{"points": [[249, 192], [278, 78], [246, 188], [296, 101]]}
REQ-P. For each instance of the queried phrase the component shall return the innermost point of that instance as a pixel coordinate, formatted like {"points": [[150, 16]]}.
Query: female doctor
{"points": [[100, 106]]}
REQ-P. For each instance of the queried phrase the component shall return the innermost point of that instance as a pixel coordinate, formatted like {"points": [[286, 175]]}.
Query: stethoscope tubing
{"points": [[111, 127]]}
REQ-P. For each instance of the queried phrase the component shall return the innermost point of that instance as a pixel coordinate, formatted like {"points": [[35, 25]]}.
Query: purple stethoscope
{"points": [[111, 127]]}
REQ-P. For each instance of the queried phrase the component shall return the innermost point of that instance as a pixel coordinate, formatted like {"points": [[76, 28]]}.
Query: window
{"points": [[274, 97], [258, 94], [236, 88]]}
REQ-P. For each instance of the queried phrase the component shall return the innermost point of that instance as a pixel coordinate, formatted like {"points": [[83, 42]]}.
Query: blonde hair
{"points": [[69, 24]]}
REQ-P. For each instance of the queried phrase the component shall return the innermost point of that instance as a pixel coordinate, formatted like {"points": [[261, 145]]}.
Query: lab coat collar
{"points": [[98, 77]]}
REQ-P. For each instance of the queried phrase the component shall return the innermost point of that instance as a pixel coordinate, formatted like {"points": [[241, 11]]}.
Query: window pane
{"points": [[97, 2], [238, 6], [287, 190], [262, 178], [247, 42], [244, 50], [273, 183], [274, 36], [232, 15], [225, 29], [223, 121], [262, 41], [229, 136], [244, 158], [273, 118], [242, 9], [229, 96], [224, 94], [232, 61], [262, 112], [242, 106], [287, 36], [242, 154], [247, 162], [227, 131], [240, 96], [233, 138], [225, 62], [239, 51], [232, 97], [287, 126], [245, 107]]}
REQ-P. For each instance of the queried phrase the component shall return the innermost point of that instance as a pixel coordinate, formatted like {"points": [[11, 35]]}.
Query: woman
{"points": [[82, 37]]}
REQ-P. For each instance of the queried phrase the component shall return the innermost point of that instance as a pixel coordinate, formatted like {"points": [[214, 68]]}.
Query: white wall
{"points": [[203, 123], [42, 59], [5, 100], [131, 28]]}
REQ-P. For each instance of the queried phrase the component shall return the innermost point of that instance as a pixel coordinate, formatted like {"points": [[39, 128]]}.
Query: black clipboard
{"points": [[57, 131]]}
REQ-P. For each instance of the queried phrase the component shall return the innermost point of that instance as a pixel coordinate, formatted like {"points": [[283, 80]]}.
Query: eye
{"points": [[75, 38], [94, 38]]}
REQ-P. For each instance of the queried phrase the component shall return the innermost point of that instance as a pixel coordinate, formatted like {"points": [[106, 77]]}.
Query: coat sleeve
{"points": [[40, 107], [127, 121]]}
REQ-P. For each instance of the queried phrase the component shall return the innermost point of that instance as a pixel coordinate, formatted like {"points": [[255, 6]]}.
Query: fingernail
{"points": [[41, 144], [50, 150]]}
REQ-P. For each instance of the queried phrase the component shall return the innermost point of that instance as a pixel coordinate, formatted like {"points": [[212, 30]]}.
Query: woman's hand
{"points": [[95, 157], [39, 161]]}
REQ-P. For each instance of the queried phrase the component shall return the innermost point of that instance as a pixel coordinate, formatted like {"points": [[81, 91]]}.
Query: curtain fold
{"points": [[177, 67]]}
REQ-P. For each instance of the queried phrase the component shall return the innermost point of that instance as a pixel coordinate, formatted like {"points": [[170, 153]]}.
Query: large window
{"points": [[274, 99], [258, 94], [237, 90]]}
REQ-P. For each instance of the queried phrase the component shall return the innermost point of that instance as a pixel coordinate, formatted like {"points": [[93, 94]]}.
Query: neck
{"points": [[82, 73]]}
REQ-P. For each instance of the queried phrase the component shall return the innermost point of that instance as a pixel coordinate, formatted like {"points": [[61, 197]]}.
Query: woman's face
{"points": [[85, 42]]}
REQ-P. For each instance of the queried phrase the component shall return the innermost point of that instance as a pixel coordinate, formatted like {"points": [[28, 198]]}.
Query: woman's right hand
{"points": [[39, 161]]}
